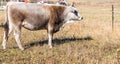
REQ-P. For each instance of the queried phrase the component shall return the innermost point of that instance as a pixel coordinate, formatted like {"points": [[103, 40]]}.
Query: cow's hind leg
{"points": [[17, 33], [7, 31]]}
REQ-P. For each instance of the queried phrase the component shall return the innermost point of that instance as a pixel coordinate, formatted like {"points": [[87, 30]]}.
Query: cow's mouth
{"points": [[77, 19]]}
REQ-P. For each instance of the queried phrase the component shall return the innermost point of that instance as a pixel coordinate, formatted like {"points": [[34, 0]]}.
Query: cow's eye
{"points": [[75, 12]]}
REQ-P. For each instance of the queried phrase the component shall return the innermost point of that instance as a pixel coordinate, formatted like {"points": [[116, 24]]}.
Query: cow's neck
{"points": [[60, 26]]}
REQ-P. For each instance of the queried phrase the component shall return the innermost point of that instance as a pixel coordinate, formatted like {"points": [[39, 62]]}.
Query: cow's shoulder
{"points": [[59, 9]]}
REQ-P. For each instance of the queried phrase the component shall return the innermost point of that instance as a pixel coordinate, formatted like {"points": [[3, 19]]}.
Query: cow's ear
{"points": [[73, 4]]}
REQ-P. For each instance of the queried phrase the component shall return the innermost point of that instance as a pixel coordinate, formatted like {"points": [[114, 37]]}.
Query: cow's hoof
{"points": [[50, 47], [4, 47], [22, 49]]}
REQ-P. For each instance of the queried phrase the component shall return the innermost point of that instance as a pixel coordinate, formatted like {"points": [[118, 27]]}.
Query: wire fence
{"points": [[112, 11]]}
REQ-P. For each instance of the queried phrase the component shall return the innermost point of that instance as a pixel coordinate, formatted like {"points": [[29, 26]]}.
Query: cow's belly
{"points": [[31, 26]]}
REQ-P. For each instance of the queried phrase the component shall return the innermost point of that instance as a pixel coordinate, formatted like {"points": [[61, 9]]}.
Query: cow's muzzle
{"points": [[80, 18]]}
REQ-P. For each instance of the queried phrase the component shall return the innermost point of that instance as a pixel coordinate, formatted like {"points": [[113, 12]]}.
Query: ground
{"points": [[90, 41]]}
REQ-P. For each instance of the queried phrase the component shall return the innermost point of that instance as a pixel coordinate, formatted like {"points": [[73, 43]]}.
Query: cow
{"points": [[36, 17]]}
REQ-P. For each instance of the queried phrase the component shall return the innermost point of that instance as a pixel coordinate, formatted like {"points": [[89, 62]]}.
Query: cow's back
{"points": [[33, 16]]}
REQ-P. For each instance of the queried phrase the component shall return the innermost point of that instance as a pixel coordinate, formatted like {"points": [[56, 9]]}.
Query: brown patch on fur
{"points": [[55, 18], [16, 15]]}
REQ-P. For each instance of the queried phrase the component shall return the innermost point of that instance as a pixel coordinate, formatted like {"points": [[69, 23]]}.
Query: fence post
{"points": [[0, 2], [112, 17]]}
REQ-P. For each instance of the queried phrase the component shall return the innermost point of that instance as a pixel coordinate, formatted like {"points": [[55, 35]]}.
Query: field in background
{"points": [[90, 41]]}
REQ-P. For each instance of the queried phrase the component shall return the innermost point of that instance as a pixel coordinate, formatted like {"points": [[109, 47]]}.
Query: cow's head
{"points": [[72, 14]]}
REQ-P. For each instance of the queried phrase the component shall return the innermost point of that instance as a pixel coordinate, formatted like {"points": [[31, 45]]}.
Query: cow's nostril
{"points": [[81, 18]]}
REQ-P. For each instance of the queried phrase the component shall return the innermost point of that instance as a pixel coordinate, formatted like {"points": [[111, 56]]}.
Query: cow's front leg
{"points": [[50, 36]]}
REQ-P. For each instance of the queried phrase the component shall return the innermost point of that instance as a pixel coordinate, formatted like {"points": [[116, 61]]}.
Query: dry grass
{"points": [[90, 41]]}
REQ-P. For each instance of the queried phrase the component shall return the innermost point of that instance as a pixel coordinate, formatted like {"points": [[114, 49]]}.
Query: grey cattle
{"points": [[35, 17]]}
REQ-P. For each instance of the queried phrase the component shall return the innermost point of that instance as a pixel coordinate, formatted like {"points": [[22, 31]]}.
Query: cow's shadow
{"points": [[57, 41]]}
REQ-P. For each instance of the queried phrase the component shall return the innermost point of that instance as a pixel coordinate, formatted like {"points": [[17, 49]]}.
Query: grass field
{"points": [[90, 41]]}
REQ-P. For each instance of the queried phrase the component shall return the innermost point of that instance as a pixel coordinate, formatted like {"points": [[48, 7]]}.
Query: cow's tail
{"points": [[6, 29], [6, 24]]}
